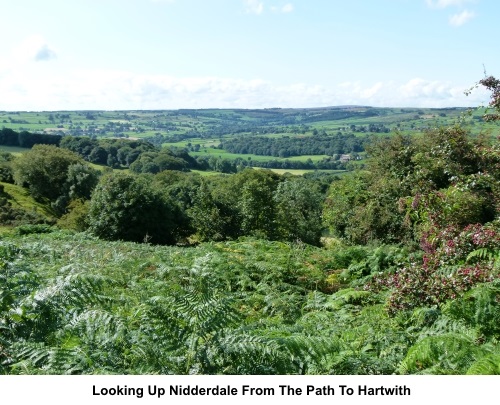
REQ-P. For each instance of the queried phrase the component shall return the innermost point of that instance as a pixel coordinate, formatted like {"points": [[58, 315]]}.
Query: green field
{"points": [[258, 158], [225, 122], [15, 150], [298, 172], [202, 131]]}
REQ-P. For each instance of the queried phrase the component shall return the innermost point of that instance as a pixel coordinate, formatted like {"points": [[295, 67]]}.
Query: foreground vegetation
{"points": [[75, 304], [166, 271]]}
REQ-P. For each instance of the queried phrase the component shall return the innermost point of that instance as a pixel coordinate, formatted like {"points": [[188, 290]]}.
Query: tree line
{"points": [[411, 187], [25, 139], [169, 207], [285, 146]]}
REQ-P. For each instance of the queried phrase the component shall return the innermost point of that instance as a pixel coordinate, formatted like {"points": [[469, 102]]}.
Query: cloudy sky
{"points": [[169, 54]]}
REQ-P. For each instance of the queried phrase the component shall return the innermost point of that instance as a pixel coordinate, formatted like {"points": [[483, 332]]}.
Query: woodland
{"points": [[120, 256]]}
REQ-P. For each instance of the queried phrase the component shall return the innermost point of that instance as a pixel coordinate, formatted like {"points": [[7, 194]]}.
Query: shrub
{"points": [[36, 228]]}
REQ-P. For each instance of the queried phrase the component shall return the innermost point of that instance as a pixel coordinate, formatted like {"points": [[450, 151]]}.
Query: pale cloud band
{"points": [[26, 84], [121, 90]]}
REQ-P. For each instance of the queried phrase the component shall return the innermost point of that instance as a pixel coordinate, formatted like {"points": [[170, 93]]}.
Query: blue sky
{"points": [[169, 54]]}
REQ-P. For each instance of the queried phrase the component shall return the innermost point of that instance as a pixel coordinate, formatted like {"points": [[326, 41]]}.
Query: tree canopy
{"points": [[126, 207]]}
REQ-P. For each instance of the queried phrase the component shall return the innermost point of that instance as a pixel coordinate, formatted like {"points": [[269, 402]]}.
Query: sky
{"points": [[172, 54]]}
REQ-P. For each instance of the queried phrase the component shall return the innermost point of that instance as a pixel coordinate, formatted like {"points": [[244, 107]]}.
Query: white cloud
{"points": [[32, 49], [45, 53], [287, 8], [461, 18], [419, 92], [254, 6], [447, 3], [371, 91], [123, 90], [420, 88], [456, 19]]}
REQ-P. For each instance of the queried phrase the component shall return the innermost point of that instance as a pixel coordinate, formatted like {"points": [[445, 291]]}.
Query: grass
{"points": [[295, 172], [20, 197], [101, 168], [299, 172], [5, 231], [205, 173], [15, 150], [152, 122], [303, 158], [257, 158], [203, 142], [231, 156]]}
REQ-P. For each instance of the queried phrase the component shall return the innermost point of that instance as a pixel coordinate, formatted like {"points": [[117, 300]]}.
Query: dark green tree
{"points": [[6, 160], [298, 211], [207, 216], [81, 181], [44, 170], [98, 155], [256, 204], [126, 207]]}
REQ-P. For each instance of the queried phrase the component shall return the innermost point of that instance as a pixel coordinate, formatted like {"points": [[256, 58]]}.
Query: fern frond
{"points": [[308, 347], [78, 289], [348, 296], [38, 358], [316, 301], [479, 308], [483, 254], [96, 325], [451, 352], [487, 365]]}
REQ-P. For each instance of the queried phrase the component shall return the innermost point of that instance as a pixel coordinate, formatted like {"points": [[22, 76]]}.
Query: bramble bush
{"points": [[443, 273], [419, 285], [451, 245]]}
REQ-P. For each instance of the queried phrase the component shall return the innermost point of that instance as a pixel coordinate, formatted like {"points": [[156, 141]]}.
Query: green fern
{"points": [[485, 254], [444, 354], [350, 296], [479, 308], [487, 365], [37, 358]]}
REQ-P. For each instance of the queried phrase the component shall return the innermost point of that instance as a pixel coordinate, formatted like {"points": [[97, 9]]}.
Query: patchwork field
{"points": [[298, 136]]}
